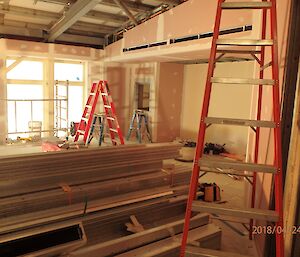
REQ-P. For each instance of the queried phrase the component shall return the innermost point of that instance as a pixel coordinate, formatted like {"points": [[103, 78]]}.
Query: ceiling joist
{"points": [[127, 11], [76, 11], [31, 13]]}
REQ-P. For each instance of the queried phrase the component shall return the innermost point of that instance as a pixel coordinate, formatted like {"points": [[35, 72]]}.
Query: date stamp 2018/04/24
{"points": [[275, 230]]}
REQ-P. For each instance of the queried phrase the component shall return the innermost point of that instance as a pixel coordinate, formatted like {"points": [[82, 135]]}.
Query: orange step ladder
{"points": [[100, 88], [237, 46]]}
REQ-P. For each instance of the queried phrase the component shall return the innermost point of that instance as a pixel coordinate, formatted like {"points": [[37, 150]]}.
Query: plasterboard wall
{"points": [[231, 101]]}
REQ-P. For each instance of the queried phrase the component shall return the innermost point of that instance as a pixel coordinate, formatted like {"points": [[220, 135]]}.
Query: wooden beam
{"points": [[13, 65], [90, 34], [192, 251], [123, 244], [133, 6], [126, 10], [52, 16], [171, 2], [81, 39], [76, 11], [169, 245]]}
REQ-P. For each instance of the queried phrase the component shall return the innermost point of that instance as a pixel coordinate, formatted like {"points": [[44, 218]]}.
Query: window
{"points": [[24, 88], [68, 71], [69, 84], [35, 105], [21, 113], [25, 70]]}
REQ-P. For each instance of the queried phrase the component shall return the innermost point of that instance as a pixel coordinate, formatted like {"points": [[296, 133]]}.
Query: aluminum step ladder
{"points": [[221, 47], [139, 116], [100, 88]]}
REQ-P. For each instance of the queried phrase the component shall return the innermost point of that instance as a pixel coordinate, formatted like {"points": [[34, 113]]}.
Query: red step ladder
{"points": [[236, 46], [87, 117]]}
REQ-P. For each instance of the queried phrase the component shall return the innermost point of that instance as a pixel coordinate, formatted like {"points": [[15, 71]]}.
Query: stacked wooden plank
{"points": [[44, 171], [161, 236], [101, 188], [64, 184]]}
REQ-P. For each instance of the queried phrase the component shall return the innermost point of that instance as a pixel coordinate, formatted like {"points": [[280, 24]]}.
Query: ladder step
{"points": [[92, 93], [235, 165], [246, 5], [107, 106], [225, 171], [245, 42], [113, 130], [85, 119], [233, 51], [89, 106], [104, 94], [81, 131], [242, 81], [222, 209], [110, 118], [192, 251], [240, 122]]}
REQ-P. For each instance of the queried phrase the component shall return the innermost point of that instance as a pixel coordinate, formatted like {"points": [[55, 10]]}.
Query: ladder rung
{"points": [[81, 131], [92, 93], [107, 106], [85, 119], [110, 118], [192, 251], [225, 171], [235, 165], [104, 94], [246, 5], [242, 81], [113, 130], [250, 213], [233, 51], [89, 106], [240, 122], [245, 42]]}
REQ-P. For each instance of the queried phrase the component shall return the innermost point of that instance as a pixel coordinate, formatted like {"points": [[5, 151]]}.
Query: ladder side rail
{"points": [[113, 110], [67, 108], [90, 119], [258, 116], [202, 127], [81, 123], [277, 134], [107, 112]]}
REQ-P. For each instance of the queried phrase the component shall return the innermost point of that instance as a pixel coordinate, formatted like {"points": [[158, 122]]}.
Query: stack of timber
{"points": [[100, 188]]}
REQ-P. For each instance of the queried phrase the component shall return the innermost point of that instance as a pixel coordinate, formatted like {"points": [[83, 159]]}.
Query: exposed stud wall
{"points": [[3, 106]]}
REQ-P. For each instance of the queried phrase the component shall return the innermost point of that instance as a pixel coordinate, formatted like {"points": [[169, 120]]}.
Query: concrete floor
{"points": [[235, 237]]}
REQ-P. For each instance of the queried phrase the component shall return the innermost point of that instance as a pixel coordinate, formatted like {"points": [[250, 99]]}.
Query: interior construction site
{"points": [[145, 128]]}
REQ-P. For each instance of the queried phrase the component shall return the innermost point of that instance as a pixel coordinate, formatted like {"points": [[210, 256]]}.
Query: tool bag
{"points": [[211, 192]]}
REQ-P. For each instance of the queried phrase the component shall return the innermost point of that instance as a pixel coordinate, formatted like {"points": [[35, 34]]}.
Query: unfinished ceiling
{"points": [[83, 22]]}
